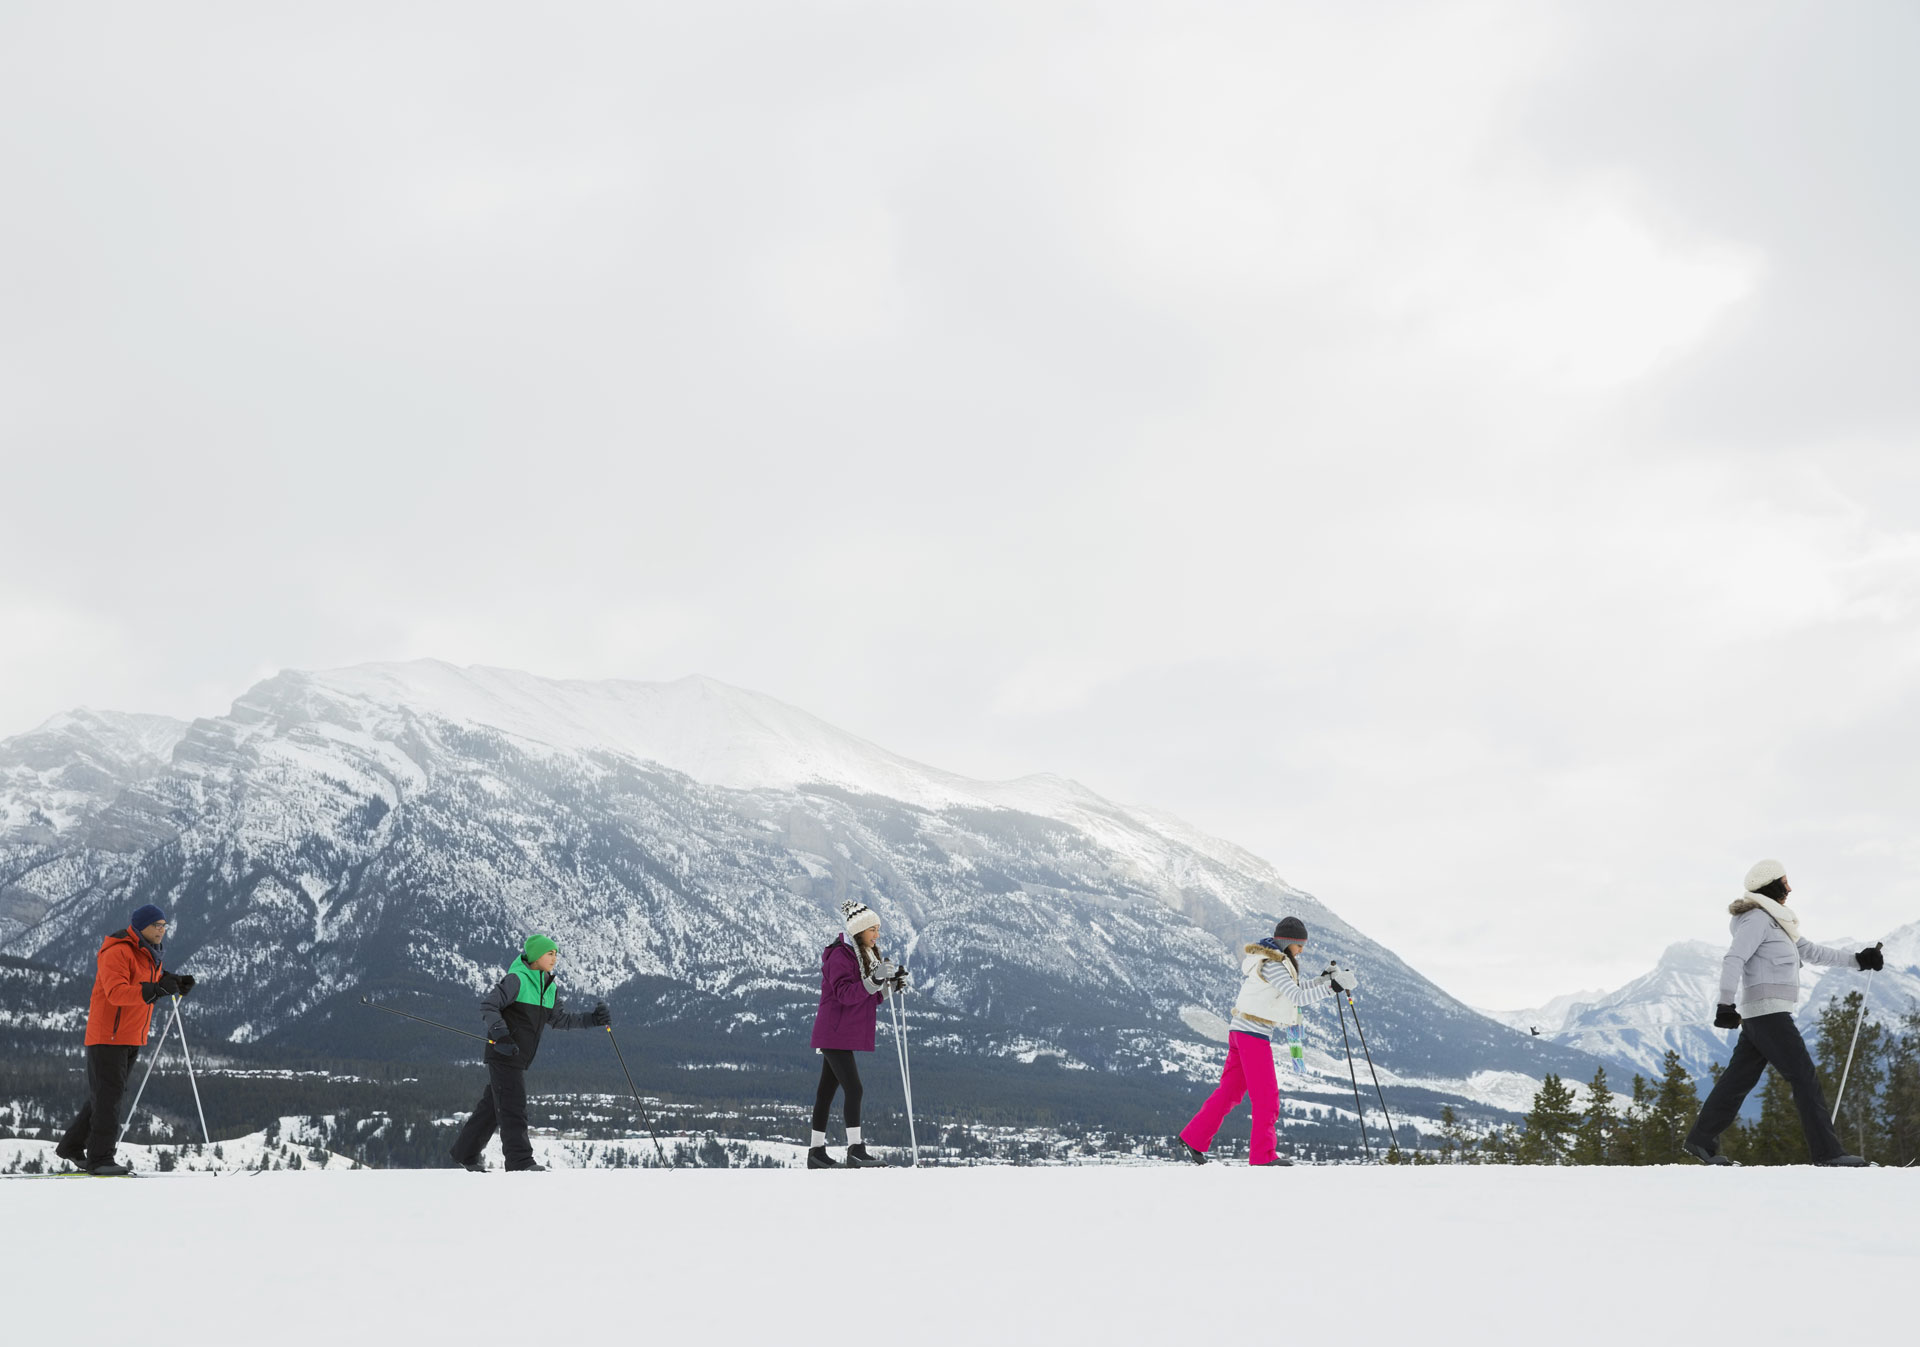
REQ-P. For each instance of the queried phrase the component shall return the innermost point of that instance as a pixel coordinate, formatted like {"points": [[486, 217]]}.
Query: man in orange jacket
{"points": [[128, 981]]}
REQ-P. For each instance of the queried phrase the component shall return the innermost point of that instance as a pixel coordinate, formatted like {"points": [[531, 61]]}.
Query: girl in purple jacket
{"points": [[854, 979]]}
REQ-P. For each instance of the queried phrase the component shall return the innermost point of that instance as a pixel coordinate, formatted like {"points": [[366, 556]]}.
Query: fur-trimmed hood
{"points": [[1759, 902]]}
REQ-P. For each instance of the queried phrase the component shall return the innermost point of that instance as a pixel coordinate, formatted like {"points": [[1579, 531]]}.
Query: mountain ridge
{"points": [[401, 826]]}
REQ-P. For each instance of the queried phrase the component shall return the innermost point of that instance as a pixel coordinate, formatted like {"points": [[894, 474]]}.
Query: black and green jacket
{"points": [[519, 1009]]}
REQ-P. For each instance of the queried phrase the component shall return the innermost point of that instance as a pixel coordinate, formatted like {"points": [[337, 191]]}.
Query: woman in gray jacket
{"points": [[1763, 966]]}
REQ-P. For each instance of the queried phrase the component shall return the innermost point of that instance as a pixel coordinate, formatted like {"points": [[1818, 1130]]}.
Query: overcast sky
{"points": [[1465, 453]]}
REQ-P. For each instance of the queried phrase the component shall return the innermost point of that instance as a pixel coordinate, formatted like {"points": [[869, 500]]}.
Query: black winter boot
{"points": [[1198, 1156], [109, 1169], [817, 1158], [77, 1157], [857, 1158], [1705, 1156], [477, 1165], [1846, 1162]]}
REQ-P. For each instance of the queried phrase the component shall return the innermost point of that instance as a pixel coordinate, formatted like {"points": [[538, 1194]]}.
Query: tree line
{"points": [[1879, 1115]]}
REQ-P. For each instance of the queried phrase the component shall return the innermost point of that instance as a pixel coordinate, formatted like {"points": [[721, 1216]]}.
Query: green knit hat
{"points": [[537, 947]]}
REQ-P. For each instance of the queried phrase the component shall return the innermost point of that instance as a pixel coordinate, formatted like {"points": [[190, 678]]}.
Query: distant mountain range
{"points": [[1671, 1007], [398, 828]]}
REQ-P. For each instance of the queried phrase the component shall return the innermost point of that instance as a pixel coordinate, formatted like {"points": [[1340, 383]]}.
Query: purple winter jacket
{"points": [[847, 1009]]}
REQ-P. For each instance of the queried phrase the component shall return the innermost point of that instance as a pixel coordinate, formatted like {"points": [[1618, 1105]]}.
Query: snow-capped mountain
{"points": [[56, 783], [59, 775], [687, 843], [1672, 1006]]}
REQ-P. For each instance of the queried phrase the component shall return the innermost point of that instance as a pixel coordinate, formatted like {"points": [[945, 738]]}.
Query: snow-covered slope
{"points": [[1165, 1255], [56, 776], [56, 784]]}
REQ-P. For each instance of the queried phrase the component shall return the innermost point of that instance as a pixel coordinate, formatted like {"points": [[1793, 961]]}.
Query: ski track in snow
{"points": [[1168, 1254]]}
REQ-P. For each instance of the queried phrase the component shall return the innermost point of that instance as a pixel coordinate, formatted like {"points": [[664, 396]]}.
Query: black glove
{"points": [[150, 992], [1871, 959], [1726, 1017], [186, 983], [601, 1016], [169, 984]]}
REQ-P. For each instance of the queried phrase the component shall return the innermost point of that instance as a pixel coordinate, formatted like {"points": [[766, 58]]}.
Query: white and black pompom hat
{"points": [[859, 917], [1763, 874]]}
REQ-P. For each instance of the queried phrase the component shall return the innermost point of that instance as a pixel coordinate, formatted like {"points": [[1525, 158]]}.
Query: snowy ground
{"points": [[1163, 1254]]}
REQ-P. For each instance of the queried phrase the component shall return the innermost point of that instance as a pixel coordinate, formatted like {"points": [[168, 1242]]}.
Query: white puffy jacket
{"points": [[1272, 993]]}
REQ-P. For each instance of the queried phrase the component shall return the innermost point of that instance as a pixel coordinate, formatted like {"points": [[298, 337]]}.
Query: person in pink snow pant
{"points": [[1267, 1008], [854, 979]]}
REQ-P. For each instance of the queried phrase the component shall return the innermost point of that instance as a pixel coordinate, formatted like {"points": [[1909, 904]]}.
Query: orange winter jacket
{"points": [[119, 1013]]}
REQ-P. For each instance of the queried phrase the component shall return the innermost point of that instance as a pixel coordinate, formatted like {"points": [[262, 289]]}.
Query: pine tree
{"points": [[1549, 1121], [1593, 1139], [1669, 1115], [1500, 1146], [1900, 1102], [1776, 1139], [1859, 1124], [1458, 1143], [1628, 1141]]}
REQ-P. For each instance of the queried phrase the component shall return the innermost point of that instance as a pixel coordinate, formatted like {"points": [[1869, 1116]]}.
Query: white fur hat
{"points": [[1763, 874], [859, 917]]}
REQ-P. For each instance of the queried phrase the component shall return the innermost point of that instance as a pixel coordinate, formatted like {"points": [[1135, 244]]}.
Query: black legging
{"points": [[837, 1071]]}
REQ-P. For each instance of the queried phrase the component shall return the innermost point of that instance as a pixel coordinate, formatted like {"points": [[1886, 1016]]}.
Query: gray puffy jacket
{"points": [[1764, 965]]}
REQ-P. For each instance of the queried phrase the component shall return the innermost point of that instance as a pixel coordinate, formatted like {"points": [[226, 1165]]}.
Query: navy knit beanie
{"points": [[146, 916], [1291, 931]]}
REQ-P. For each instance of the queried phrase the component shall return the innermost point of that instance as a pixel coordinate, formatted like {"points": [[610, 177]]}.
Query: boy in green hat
{"points": [[524, 1004]]}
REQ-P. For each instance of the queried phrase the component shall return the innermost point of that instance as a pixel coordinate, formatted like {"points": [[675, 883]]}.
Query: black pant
{"points": [[836, 1070], [1769, 1040], [504, 1105], [96, 1127]]}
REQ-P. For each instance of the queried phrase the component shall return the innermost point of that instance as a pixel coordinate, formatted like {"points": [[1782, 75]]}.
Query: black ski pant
{"points": [[837, 1071], [95, 1129], [502, 1105], [1768, 1040]]}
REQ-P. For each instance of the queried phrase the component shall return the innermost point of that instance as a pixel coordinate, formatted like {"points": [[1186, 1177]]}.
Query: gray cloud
{"points": [[1459, 451]]}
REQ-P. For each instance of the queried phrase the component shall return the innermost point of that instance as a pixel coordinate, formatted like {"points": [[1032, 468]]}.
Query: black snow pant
{"points": [[503, 1105], [837, 1071], [1768, 1040], [95, 1130]]}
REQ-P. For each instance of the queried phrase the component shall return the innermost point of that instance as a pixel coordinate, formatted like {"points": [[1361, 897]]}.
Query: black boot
{"points": [[1705, 1156], [477, 1165], [1199, 1157], [857, 1158], [77, 1157], [1846, 1162], [817, 1158], [109, 1169]]}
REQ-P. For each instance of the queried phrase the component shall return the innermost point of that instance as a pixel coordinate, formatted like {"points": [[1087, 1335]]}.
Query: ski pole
{"points": [[1841, 1093], [1358, 1111], [660, 1150], [906, 1074], [1393, 1140], [205, 1135], [368, 1002], [149, 1076]]}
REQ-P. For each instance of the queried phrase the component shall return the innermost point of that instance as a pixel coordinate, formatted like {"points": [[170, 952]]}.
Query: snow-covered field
{"points": [[1165, 1254]]}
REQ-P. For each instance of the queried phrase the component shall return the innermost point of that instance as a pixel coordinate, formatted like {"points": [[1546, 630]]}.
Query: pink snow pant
{"points": [[1249, 1071]]}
